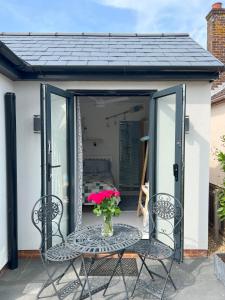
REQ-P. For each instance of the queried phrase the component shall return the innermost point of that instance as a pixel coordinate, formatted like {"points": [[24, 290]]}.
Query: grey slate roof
{"points": [[172, 50]]}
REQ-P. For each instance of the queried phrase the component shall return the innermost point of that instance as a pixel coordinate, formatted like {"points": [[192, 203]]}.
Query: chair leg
{"points": [[63, 274], [46, 284], [167, 278], [170, 278], [149, 272], [139, 273], [75, 271], [51, 281]]}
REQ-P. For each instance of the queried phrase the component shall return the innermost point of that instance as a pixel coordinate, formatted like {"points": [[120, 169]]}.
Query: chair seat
{"points": [[61, 252], [152, 249]]}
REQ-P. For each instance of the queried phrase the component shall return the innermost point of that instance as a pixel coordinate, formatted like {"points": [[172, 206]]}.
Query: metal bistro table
{"points": [[89, 240]]}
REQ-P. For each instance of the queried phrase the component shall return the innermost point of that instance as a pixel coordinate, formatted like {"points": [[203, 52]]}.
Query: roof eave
{"points": [[10, 64], [121, 73], [12, 57]]}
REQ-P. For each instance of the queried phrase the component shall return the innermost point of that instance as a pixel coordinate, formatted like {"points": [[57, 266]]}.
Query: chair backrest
{"points": [[165, 216], [46, 216]]}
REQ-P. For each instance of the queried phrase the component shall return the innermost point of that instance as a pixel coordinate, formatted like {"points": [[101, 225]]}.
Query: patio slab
{"points": [[195, 280]]}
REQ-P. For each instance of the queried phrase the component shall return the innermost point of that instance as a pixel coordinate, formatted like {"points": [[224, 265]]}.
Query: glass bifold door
{"points": [[57, 153], [58, 140]]}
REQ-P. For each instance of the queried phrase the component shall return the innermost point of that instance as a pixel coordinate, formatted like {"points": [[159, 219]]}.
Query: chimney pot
{"points": [[217, 5]]}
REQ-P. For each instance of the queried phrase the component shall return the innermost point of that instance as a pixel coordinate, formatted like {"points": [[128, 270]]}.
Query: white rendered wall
{"points": [[196, 160], [6, 85]]}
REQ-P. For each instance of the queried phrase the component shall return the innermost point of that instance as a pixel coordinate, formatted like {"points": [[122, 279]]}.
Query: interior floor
{"points": [[113, 153]]}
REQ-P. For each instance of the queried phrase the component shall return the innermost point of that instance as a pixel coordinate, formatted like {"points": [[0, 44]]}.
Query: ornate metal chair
{"points": [[46, 217], [166, 214]]}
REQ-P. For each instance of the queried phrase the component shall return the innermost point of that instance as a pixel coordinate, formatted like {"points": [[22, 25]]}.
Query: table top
{"points": [[89, 239]]}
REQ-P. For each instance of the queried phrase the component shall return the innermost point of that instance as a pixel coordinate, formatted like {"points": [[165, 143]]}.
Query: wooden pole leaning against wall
{"points": [[145, 165]]}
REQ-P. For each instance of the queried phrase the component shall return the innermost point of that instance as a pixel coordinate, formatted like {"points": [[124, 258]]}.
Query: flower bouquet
{"points": [[106, 205]]}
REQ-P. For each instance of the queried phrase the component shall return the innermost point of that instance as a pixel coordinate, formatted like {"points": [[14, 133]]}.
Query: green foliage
{"points": [[221, 159], [107, 208], [221, 194], [221, 209]]}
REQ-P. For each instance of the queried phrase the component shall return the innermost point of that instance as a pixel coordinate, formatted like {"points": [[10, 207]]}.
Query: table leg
{"points": [[86, 278], [119, 263], [88, 272], [121, 267]]}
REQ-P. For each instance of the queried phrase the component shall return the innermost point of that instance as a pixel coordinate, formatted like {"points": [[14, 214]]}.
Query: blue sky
{"points": [[143, 16]]}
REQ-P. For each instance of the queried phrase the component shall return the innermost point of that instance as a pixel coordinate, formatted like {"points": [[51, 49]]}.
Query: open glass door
{"points": [[57, 151], [166, 163]]}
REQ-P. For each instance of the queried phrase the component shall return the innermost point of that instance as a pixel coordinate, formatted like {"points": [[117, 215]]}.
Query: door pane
{"points": [[59, 157], [165, 158]]}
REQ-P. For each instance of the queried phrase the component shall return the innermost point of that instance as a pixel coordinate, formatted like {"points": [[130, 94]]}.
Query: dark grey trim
{"points": [[71, 159], [109, 93], [182, 161], [123, 69], [46, 92], [179, 91], [12, 57], [10, 64], [152, 147], [166, 92], [125, 75], [11, 172], [48, 158], [8, 69], [43, 140], [43, 149], [152, 155]]}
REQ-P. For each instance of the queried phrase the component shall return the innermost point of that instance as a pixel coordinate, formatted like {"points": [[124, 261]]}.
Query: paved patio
{"points": [[194, 278]]}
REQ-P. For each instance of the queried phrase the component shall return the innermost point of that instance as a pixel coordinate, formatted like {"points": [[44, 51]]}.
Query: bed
{"points": [[97, 176]]}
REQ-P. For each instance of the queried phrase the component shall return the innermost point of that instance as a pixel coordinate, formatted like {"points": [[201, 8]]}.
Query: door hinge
{"points": [[175, 171], [186, 124]]}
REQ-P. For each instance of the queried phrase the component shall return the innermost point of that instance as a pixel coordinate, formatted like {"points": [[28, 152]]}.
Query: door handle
{"points": [[56, 166], [49, 170], [175, 171]]}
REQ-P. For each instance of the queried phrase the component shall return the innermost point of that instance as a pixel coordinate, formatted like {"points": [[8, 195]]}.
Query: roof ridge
{"points": [[93, 34]]}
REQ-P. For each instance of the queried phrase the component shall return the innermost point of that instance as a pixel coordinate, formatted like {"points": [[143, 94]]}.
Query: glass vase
{"points": [[107, 226]]}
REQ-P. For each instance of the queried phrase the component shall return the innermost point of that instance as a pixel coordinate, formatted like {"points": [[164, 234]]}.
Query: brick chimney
{"points": [[216, 36]]}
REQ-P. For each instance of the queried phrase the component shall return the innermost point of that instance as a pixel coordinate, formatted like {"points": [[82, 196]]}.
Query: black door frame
{"points": [[46, 91]]}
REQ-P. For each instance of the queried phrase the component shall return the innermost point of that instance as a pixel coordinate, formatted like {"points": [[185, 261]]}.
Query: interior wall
{"points": [[196, 156], [105, 132], [6, 85], [217, 131]]}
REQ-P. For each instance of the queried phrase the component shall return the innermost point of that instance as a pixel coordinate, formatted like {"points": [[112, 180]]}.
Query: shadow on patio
{"points": [[195, 280]]}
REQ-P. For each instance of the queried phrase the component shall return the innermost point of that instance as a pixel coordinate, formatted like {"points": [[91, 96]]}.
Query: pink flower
{"points": [[98, 198], [116, 194], [108, 193], [90, 197]]}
